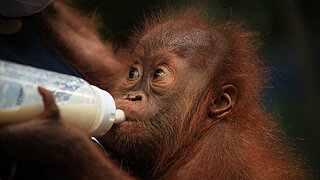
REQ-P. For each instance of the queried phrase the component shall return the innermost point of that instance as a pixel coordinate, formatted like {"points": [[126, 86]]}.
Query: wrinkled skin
{"points": [[156, 94]]}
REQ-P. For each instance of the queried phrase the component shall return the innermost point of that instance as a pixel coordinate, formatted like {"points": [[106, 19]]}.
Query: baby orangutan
{"points": [[191, 94]]}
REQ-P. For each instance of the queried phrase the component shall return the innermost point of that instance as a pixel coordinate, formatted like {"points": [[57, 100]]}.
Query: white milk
{"points": [[22, 113], [84, 117]]}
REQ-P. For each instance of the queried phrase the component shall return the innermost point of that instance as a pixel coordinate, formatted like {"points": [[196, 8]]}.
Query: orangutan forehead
{"points": [[175, 36]]}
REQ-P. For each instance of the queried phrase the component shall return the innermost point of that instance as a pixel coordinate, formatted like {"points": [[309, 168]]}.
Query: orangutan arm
{"points": [[75, 38]]}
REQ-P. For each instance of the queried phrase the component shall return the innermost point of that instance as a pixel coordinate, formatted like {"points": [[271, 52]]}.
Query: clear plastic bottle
{"points": [[83, 105]]}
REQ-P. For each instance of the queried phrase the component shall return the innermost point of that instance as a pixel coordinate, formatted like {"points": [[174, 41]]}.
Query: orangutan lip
{"points": [[127, 114], [131, 120]]}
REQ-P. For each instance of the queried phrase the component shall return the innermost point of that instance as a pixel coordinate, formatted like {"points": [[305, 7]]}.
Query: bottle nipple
{"points": [[120, 116]]}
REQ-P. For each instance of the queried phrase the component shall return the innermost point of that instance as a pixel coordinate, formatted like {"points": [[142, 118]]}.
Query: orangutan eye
{"points": [[134, 73], [158, 73]]}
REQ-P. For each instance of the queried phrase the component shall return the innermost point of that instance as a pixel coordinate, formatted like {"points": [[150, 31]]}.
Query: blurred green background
{"points": [[290, 30]]}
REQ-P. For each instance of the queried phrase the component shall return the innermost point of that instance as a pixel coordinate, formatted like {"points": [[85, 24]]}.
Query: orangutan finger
{"points": [[51, 110]]}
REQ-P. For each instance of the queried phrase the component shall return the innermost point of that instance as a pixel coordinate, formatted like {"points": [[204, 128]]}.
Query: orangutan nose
{"points": [[134, 97]]}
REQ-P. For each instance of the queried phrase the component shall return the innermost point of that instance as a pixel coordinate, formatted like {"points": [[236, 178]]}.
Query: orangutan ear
{"points": [[224, 103]]}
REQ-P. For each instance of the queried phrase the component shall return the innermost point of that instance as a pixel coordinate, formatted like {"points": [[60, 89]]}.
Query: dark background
{"points": [[290, 30]]}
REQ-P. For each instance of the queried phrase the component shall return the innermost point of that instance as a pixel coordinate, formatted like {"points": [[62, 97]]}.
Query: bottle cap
{"points": [[108, 112]]}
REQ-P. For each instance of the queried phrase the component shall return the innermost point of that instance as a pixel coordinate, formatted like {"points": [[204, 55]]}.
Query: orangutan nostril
{"points": [[134, 97]]}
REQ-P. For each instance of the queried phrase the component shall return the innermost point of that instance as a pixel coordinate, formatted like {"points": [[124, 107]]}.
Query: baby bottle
{"points": [[82, 105]]}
